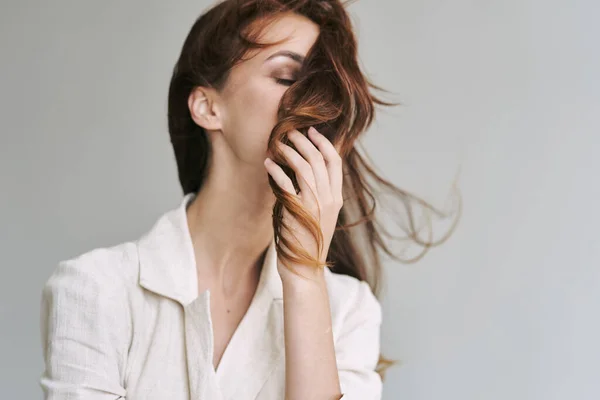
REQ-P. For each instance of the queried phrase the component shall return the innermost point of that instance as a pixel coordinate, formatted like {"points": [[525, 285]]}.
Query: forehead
{"points": [[298, 32]]}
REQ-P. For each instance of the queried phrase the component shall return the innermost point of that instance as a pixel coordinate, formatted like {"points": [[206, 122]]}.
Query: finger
{"points": [[279, 176], [332, 159], [303, 170], [314, 157]]}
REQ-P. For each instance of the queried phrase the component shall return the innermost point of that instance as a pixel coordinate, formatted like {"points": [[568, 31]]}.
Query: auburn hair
{"points": [[332, 94]]}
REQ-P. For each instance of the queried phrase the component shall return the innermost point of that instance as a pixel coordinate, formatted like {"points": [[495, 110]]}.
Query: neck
{"points": [[230, 225]]}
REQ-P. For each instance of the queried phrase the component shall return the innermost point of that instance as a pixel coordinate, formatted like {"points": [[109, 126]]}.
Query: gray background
{"points": [[507, 89]]}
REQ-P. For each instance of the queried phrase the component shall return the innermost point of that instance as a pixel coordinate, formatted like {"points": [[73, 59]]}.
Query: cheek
{"points": [[254, 116], [261, 102]]}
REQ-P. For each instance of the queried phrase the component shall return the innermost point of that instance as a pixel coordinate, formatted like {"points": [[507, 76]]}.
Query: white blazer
{"points": [[127, 322]]}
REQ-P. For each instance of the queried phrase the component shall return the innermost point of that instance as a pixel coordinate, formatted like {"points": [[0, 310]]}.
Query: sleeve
{"points": [[84, 333], [358, 346]]}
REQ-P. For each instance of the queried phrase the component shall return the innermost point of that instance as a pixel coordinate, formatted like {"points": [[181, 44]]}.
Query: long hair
{"points": [[331, 94]]}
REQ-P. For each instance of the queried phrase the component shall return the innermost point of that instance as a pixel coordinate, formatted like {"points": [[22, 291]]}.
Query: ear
{"points": [[204, 109]]}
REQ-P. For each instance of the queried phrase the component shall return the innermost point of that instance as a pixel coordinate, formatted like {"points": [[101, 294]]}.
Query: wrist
{"points": [[302, 277]]}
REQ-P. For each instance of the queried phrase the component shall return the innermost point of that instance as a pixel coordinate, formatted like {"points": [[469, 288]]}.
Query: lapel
{"points": [[168, 268], [257, 345]]}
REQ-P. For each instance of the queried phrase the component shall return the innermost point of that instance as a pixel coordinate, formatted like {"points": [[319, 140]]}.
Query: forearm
{"points": [[311, 369]]}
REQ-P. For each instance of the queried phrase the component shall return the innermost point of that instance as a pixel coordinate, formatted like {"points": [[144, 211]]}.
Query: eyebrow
{"points": [[287, 53]]}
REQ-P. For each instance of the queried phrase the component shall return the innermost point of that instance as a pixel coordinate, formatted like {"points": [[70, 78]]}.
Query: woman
{"points": [[253, 287]]}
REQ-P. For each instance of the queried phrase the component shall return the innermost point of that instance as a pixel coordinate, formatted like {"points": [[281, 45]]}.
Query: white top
{"points": [[127, 322]]}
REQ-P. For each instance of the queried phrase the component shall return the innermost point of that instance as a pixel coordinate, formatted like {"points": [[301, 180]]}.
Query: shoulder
{"points": [[102, 270], [352, 301], [89, 292], [356, 323], [86, 322]]}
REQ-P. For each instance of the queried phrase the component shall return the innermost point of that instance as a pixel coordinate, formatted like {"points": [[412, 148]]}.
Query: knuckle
{"points": [[305, 169], [330, 203], [337, 202]]}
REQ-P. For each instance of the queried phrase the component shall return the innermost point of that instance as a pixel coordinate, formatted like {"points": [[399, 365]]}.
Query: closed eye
{"points": [[286, 82]]}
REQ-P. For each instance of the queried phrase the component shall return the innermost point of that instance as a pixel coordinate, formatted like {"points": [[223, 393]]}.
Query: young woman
{"points": [[254, 287]]}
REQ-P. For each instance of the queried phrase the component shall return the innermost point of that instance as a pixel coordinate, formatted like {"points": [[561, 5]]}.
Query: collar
{"points": [[168, 265]]}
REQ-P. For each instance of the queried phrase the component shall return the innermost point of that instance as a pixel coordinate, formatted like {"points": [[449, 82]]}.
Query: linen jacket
{"points": [[127, 322]]}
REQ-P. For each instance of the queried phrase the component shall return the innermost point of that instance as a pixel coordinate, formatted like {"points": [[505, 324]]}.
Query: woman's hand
{"points": [[318, 167]]}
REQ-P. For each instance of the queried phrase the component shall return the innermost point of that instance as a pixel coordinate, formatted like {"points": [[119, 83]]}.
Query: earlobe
{"points": [[203, 110]]}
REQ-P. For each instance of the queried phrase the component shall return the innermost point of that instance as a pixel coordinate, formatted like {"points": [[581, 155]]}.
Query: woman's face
{"points": [[245, 110]]}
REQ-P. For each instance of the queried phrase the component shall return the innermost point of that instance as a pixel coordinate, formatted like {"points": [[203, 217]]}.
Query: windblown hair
{"points": [[331, 94]]}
